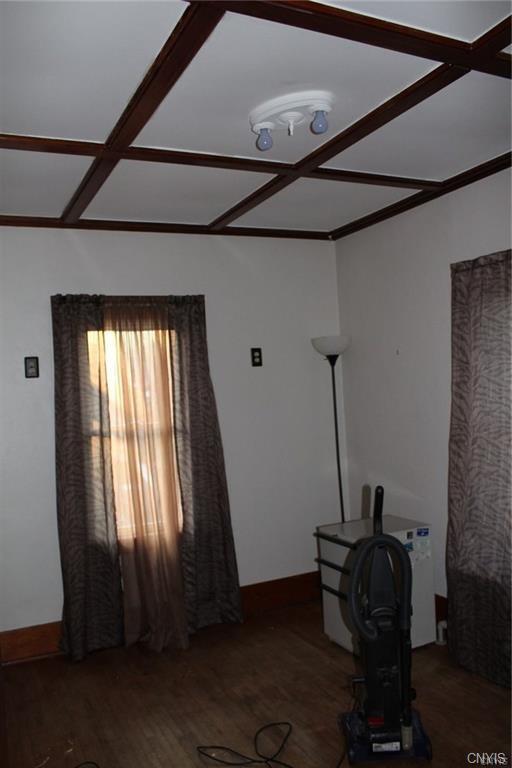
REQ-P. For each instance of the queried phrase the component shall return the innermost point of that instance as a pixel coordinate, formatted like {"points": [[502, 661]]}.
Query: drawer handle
{"points": [[332, 591], [335, 540], [334, 566]]}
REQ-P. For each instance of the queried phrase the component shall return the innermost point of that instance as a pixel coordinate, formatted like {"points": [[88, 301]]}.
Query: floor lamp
{"points": [[331, 347]]}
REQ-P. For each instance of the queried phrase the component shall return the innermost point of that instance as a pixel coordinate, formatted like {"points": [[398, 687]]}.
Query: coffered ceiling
{"points": [[135, 115]]}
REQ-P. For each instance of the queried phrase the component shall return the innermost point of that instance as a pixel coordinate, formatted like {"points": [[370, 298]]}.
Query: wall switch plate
{"points": [[31, 367], [256, 359]]}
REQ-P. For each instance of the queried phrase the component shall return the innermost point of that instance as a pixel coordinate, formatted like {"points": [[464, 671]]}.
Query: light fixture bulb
{"points": [[319, 122], [264, 140]]}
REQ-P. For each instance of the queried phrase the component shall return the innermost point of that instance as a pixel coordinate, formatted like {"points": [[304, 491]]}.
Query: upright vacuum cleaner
{"points": [[384, 725]]}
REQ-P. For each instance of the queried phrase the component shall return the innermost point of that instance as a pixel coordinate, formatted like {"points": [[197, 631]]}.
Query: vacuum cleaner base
{"points": [[359, 749]]}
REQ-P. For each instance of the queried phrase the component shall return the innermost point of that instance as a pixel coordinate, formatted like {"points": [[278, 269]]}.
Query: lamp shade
{"points": [[331, 345]]}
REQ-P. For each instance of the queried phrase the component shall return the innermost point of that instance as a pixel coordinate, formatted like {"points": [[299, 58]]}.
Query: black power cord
{"points": [[239, 759], [87, 764]]}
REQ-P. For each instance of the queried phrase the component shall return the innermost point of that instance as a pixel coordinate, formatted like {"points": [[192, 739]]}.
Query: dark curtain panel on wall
{"points": [[93, 604], [210, 575], [478, 545]]}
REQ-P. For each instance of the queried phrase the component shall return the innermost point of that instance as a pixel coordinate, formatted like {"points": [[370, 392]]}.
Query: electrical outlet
{"points": [[256, 359], [31, 367]]}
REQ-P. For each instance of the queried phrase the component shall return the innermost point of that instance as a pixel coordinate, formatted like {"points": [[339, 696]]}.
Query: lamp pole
{"points": [[332, 362], [331, 347]]}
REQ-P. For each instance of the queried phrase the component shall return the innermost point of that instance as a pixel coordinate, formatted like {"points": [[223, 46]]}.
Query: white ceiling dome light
{"points": [[286, 112]]}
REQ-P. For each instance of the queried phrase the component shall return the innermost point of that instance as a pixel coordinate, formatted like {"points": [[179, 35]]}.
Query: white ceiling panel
{"points": [[171, 193], [38, 184], [321, 205], [461, 19], [247, 61], [68, 69], [462, 126]]}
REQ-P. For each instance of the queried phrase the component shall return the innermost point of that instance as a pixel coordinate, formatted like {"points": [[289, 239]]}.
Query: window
{"points": [[138, 382]]}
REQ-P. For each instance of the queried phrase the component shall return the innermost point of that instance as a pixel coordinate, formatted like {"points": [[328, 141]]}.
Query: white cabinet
{"points": [[336, 546]]}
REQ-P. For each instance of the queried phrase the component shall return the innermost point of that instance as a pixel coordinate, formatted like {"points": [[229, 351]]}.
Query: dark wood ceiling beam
{"points": [[375, 179], [256, 198], [338, 22], [384, 213], [108, 225], [44, 222], [487, 50], [505, 57], [395, 106], [478, 172], [205, 160], [481, 171], [97, 174], [186, 39], [296, 234], [46, 144]]}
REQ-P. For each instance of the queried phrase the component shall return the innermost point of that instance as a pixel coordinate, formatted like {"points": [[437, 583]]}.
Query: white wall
{"points": [[394, 293], [275, 420]]}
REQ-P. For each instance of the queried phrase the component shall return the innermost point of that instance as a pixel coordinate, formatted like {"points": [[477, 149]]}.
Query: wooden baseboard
{"points": [[30, 642], [280, 593], [43, 640], [4, 755]]}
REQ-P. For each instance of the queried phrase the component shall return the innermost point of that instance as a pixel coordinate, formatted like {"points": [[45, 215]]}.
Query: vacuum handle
{"points": [[378, 503]]}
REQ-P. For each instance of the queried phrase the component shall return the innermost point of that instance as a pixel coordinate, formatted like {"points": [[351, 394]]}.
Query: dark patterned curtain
{"points": [[93, 602], [479, 545], [90, 555], [210, 575]]}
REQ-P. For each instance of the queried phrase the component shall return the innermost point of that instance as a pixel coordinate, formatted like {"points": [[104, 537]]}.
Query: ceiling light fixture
{"points": [[286, 112]]}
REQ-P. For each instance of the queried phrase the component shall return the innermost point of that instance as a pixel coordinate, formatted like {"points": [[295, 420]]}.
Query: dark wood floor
{"points": [[127, 708]]}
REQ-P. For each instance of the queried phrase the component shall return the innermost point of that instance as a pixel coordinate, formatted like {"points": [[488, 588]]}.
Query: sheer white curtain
{"points": [[135, 344]]}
